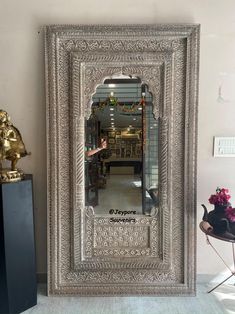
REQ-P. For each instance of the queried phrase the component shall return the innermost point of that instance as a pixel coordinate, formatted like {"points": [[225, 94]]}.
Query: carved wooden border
{"points": [[77, 59], [94, 69]]}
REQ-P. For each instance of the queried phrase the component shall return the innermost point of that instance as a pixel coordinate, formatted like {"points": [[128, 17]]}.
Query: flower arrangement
{"points": [[222, 217], [221, 198]]}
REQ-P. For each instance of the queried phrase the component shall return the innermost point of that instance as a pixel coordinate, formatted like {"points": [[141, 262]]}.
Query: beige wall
{"points": [[22, 91]]}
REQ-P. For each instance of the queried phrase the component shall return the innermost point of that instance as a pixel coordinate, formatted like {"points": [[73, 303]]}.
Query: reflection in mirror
{"points": [[121, 150]]}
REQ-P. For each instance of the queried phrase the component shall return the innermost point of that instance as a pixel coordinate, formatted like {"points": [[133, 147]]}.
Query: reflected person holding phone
{"points": [[103, 145]]}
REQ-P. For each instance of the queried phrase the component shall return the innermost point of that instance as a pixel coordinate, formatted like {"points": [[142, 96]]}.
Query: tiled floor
{"points": [[219, 302], [122, 192]]}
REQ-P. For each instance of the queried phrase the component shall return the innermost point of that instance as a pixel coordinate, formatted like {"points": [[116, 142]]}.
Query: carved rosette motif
{"points": [[78, 58], [129, 45], [120, 239], [121, 236]]}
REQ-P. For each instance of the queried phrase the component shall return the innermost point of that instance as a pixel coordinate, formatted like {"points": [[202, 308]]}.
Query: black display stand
{"points": [[18, 284]]}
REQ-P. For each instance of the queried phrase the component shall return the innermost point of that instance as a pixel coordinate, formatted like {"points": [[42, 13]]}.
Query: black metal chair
{"points": [[208, 230]]}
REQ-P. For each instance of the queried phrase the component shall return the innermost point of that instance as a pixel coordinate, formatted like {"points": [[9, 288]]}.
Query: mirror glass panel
{"points": [[121, 150]]}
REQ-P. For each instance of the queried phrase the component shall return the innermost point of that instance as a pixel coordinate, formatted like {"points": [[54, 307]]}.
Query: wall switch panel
{"points": [[224, 146]]}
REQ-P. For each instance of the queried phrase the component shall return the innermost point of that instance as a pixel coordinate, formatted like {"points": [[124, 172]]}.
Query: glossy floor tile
{"points": [[219, 302]]}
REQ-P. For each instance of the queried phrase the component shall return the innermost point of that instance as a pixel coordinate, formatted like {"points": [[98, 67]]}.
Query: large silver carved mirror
{"points": [[121, 125]]}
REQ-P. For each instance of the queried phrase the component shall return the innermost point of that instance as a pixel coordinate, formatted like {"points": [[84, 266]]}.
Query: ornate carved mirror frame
{"points": [[86, 255]]}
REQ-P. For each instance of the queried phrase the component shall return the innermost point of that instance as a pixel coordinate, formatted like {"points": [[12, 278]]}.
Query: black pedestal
{"points": [[18, 285]]}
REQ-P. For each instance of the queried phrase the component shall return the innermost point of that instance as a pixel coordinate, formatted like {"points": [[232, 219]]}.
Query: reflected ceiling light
{"points": [[134, 119], [112, 119], [130, 126], [140, 108], [112, 85], [111, 108], [111, 114]]}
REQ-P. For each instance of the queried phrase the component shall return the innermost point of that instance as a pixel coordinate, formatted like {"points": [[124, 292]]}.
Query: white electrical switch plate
{"points": [[224, 146]]}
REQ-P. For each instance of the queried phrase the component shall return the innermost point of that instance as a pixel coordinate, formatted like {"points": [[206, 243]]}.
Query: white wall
{"points": [[22, 91]]}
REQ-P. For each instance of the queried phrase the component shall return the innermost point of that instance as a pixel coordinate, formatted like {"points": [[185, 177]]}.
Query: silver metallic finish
{"points": [[80, 261]]}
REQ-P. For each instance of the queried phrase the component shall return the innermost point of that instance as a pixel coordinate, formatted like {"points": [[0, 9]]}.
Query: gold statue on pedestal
{"points": [[11, 148]]}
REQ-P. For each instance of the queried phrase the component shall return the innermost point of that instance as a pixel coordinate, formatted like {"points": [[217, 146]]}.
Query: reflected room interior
{"points": [[121, 149]]}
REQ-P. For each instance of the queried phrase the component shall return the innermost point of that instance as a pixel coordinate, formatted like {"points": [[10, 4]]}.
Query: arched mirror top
{"points": [[149, 75]]}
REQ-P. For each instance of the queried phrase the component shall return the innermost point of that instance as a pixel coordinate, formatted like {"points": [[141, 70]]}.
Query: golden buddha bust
{"points": [[12, 148]]}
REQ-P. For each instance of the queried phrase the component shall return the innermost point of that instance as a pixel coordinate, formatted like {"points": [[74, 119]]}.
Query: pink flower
{"points": [[230, 213], [224, 190], [221, 197]]}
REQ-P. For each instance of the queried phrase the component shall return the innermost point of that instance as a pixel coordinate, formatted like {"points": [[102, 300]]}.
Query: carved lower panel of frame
{"points": [[116, 237]]}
